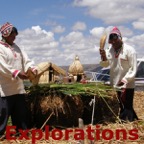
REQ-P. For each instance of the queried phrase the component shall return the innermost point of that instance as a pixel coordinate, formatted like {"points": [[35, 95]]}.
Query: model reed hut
{"points": [[47, 73], [76, 69]]}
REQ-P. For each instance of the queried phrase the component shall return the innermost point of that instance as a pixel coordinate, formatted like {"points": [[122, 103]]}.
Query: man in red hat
{"points": [[122, 60], [14, 64]]}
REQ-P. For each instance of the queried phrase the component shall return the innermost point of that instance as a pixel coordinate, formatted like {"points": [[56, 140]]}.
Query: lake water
{"points": [[139, 88]]}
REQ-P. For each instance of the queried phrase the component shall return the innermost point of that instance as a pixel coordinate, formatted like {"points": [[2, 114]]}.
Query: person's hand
{"points": [[35, 72], [22, 75], [31, 74], [103, 54], [122, 85]]}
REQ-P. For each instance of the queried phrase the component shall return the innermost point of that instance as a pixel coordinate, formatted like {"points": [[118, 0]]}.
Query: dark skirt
{"points": [[14, 106], [127, 112], [3, 114]]}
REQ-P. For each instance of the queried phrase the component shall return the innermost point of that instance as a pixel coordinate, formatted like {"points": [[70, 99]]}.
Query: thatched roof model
{"points": [[76, 67], [42, 68]]}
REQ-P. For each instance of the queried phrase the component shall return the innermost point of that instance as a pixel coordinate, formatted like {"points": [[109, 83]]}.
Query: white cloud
{"points": [[97, 31], [89, 3], [38, 43], [113, 12], [139, 24], [79, 26], [58, 29], [42, 46], [45, 45], [72, 36]]}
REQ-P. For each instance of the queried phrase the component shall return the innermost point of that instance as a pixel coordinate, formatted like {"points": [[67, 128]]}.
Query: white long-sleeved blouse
{"points": [[123, 67], [12, 61]]}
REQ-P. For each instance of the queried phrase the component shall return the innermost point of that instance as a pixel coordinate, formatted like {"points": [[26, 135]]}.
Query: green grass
{"points": [[72, 88], [78, 88]]}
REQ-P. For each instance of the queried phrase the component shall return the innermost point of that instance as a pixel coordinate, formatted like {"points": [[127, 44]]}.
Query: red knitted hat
{"points": [[115, 30], [6, 29]]}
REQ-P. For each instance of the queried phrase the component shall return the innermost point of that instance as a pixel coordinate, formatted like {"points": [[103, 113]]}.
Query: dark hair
{"points": [[14, 30], [113, 36]]}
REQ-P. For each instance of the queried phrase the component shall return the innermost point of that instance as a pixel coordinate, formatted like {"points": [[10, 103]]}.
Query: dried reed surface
{"points": [[139, 125]]}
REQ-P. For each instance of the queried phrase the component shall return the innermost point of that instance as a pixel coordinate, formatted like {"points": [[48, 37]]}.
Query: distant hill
{"points": [[87, 67]]}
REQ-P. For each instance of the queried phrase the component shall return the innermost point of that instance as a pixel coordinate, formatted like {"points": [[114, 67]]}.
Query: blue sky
{"points": [[58, 30]]}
